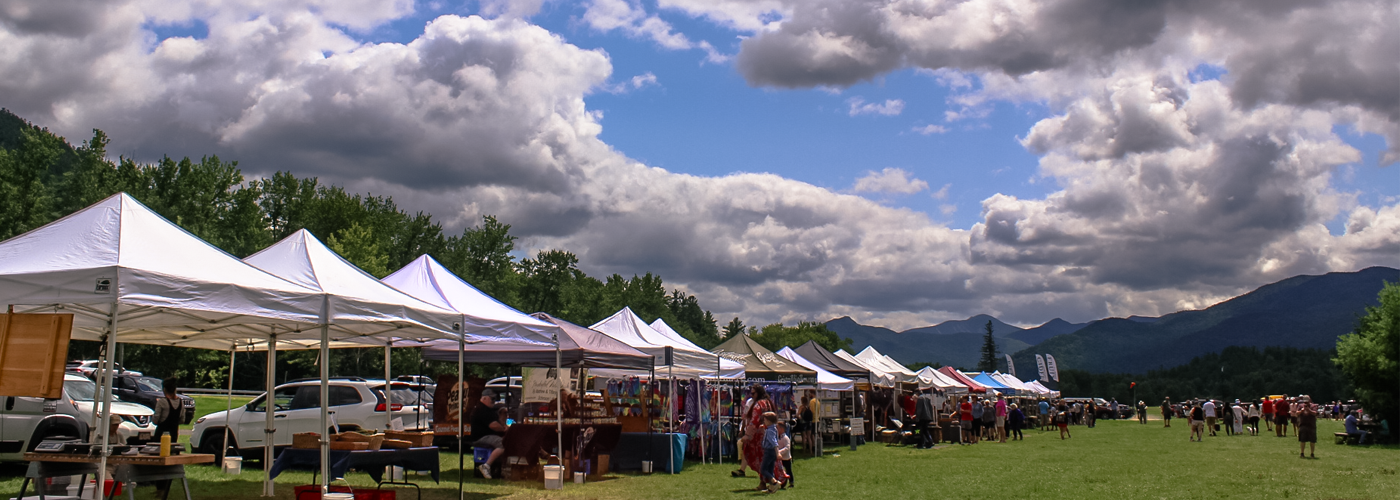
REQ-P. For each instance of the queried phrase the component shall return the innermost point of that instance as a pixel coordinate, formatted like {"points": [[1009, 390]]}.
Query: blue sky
{"points": [[1177, 156]]}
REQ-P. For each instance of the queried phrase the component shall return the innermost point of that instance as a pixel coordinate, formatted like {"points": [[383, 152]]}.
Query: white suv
{"points": [[355, 403], [25, 421]]}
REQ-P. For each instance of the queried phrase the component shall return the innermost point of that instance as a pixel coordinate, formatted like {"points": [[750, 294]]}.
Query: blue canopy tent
{"points": [[991, 383]]}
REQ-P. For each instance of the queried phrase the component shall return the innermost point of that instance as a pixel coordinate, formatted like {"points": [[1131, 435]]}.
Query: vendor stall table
{"points": [[372, 462], [130, 469], [632, 448], [527, 440]]}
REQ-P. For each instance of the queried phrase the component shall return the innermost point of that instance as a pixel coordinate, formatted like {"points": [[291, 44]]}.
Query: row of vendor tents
{"points": [[128, 275]]}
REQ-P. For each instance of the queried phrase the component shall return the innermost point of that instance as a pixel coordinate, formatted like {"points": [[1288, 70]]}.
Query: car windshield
{"points": [[80, 390], [149, 384]]}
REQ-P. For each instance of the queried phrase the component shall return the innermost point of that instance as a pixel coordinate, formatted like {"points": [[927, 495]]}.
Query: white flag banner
{"points": [[1054, 372], [1040, 363], [1010, 366]]}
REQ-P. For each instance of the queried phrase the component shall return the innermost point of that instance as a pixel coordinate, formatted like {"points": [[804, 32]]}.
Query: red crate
{"points": [[313, 492]]}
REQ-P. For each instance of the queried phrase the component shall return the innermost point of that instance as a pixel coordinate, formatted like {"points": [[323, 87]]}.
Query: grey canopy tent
{"points": [[818, 355], [579, 347]]}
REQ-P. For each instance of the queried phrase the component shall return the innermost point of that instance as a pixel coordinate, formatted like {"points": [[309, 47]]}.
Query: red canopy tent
{"points": [[972, 385]]}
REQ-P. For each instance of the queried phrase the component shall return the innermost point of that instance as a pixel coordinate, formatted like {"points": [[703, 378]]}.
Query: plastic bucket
{"points": [[646, 466], [578, 477], [338, 496], [233, 465], [553, 477]]}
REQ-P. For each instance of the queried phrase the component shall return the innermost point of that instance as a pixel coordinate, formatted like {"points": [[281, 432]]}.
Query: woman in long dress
{"points": [[753, 444]]}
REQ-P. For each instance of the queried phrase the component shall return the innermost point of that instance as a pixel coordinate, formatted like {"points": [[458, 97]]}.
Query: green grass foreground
{"points": [[1122, 459]]}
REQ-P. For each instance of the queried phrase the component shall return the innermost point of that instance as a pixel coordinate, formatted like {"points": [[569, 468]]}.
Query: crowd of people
{"points": [[1277, 414]]}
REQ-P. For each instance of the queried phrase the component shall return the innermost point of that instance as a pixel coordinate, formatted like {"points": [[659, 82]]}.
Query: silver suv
{"points": [[25, 421], [355, 403]]}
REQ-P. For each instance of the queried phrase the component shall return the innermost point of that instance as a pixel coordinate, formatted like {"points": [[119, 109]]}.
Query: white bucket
{"points": [[553, 477], [396, 473], [578, 477], [233, 465], [338, 496], [646, 466]]}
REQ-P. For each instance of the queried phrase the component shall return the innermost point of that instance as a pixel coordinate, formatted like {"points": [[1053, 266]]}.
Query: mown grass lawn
{"points": [[1120, 459]]}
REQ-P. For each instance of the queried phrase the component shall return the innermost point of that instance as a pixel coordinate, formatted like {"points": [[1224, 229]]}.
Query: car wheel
{"points": [[213, 444]]}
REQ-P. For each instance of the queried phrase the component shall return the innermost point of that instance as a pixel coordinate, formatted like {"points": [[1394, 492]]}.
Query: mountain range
{"points": [[1303, 311]]}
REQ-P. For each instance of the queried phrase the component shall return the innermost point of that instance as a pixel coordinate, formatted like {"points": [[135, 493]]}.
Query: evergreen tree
{"points": [[734, 327], [988, 361]]}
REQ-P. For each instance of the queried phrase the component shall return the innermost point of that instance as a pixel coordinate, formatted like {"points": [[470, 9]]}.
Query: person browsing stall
{"points": [[488, 429]]}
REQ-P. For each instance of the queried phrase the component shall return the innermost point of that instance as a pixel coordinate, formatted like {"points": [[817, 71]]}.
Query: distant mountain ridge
{"points": [[1303, 311], [955, 343]]}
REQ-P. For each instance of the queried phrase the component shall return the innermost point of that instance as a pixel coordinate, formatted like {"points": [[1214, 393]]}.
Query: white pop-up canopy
{"points": [[1012, 382], [937, 379], [689, 360], [127, 274], [728, 368], [356, 307], [825, 379], [874, 359], [481, 315], [878, 376]]}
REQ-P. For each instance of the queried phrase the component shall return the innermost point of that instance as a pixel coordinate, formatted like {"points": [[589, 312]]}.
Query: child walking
{"points": [[770, 453], [785, 452]]}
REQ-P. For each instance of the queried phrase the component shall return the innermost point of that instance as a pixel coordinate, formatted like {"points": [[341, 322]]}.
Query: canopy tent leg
{"points": [[228, 396], [558, 408], [461, 398], [105, 391], [325, 409], [269, 407], [671, 422], [388, 401]]}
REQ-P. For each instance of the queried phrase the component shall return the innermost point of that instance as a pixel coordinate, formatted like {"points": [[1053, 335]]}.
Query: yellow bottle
{"points": [[164, 445]]}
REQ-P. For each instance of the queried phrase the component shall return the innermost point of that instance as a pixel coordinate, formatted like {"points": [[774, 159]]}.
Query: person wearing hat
{"points": [[487, 428], [1306, 429]]}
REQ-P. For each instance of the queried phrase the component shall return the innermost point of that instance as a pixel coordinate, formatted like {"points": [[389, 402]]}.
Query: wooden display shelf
{"points": [[182, 459]]}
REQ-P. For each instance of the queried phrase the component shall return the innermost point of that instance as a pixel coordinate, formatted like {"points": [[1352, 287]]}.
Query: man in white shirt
{"points": [[1209, 408]]}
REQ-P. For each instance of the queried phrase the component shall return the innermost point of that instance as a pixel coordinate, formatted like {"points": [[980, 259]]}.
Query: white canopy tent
{"points": [[1012, 382], [873, 358], [690, 361], [825, 379], [878, 376], [357, 307], [728, 368], [129, 275], [1040, 388], [938, 380]]}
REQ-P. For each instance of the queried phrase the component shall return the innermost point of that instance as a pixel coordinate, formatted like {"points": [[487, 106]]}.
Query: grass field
{"points": [[1120, 458]]}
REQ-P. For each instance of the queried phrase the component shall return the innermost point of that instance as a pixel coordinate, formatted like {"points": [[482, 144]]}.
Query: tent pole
{"points": [[461, 397], [269, 408], [325, 396], [104, 427], [228, 396], [388, 401], [671, 422], [559, 409]]}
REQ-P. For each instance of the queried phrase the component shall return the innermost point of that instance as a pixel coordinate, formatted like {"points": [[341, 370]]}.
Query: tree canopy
{"points": [[1370, 356], [43, 177]]}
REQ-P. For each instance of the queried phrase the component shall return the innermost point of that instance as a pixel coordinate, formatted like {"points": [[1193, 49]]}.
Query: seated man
{"points": [[488, 428], [1352, 430]]}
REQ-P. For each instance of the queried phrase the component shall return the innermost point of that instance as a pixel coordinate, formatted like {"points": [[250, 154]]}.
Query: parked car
{"points": [[26, 421], [411, 402], [354, 402], [89, 367], [145, 391]]}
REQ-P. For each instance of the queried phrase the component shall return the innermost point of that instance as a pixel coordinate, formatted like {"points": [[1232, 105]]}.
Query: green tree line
{"points": [[1243, 373], [43, 177]]}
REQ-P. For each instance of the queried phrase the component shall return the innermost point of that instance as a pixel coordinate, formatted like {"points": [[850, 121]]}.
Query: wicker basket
{"points": [[397, 444], [306, 441], [349, 445], [376, 442], [353, 437], [415, 439]]}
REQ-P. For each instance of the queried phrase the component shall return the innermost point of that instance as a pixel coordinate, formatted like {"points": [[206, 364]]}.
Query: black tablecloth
{"points": [[526, 440], [634, 447], [369, 462]]}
